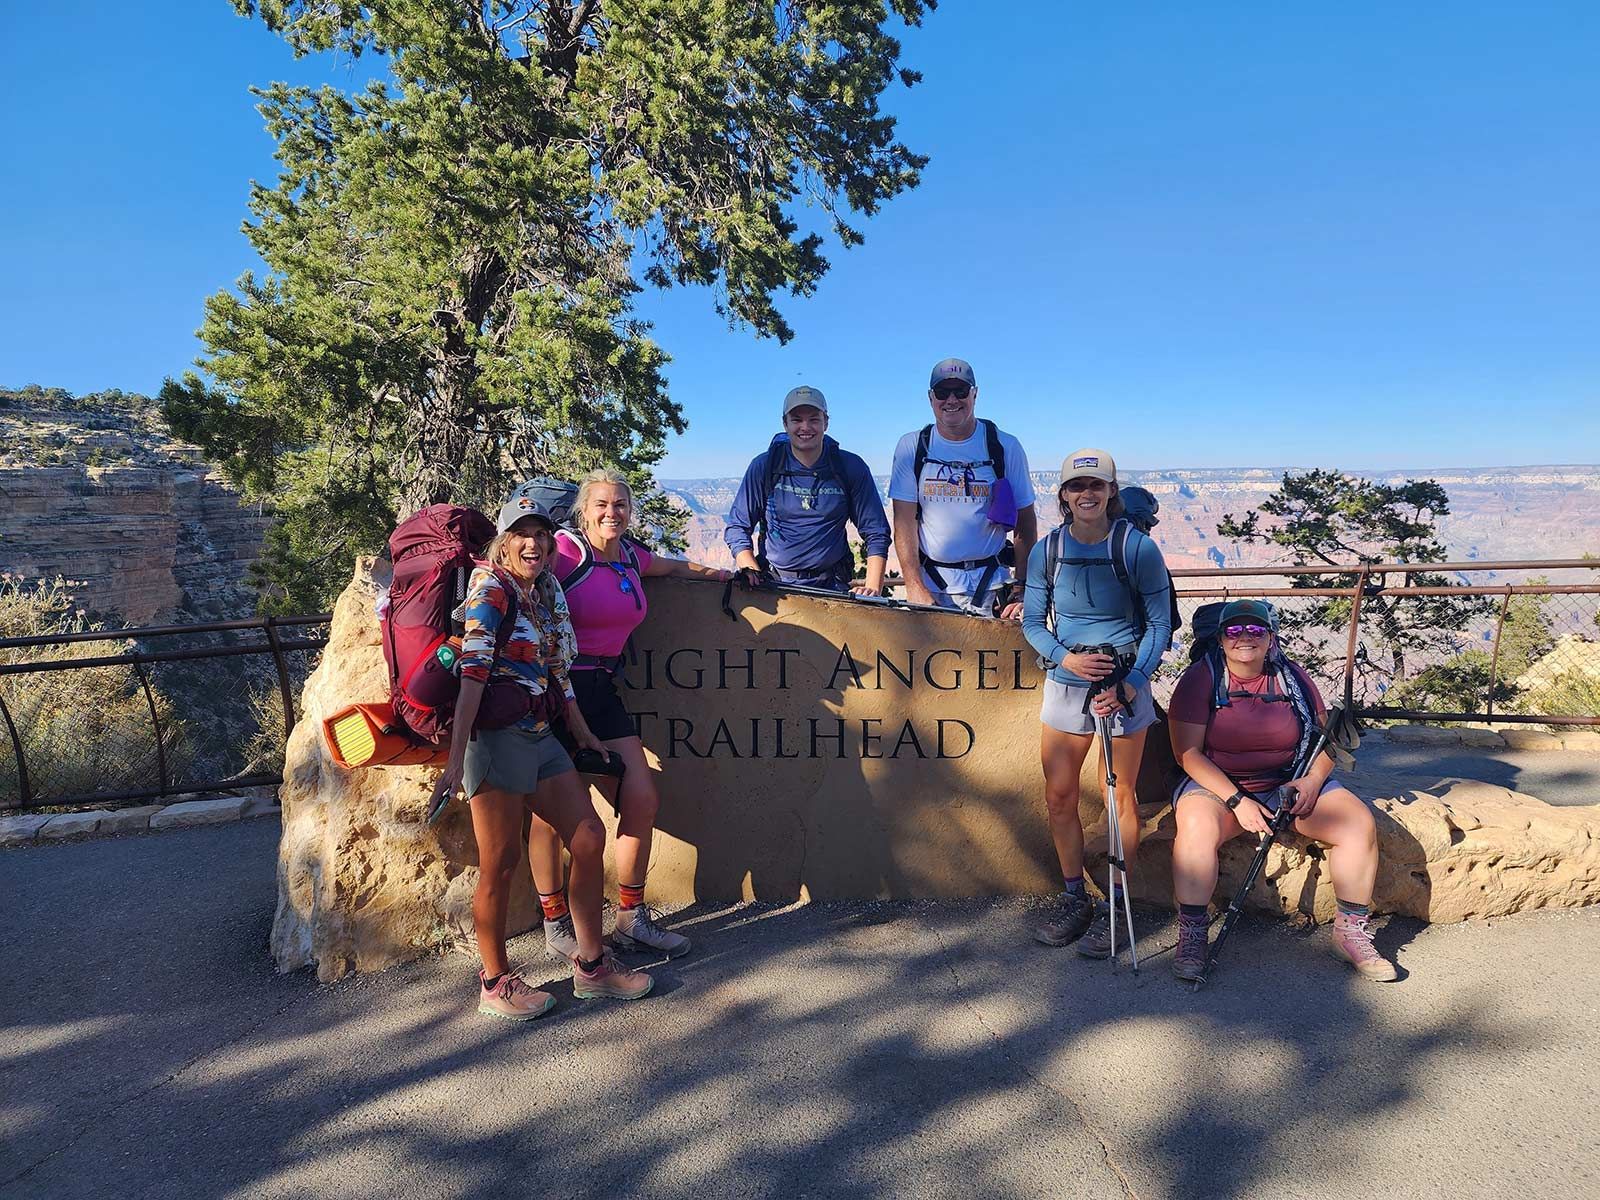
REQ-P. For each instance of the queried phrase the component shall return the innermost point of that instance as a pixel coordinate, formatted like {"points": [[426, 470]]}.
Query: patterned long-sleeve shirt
{"points": [[538, 632]]}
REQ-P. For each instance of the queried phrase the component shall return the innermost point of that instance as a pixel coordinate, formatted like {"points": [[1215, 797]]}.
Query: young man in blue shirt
{"points": [[798, 495]]}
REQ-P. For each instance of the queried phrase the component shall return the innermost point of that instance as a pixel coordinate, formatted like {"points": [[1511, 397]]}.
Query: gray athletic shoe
{"points": [[1068, 923], [637, 930], [559, 939]]}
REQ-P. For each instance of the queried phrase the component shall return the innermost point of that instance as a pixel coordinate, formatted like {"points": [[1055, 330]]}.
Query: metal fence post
{"points": [[155, 725], [25, 797], [1494, 663], [1350, 644], [285, 693]]}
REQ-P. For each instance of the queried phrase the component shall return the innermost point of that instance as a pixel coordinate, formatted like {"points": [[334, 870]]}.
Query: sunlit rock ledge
{"points": [[832, 749]]}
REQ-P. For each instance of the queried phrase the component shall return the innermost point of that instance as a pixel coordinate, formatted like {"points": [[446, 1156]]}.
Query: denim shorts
{"points": [[1268, 799], [513, 760], [1062, 710]]}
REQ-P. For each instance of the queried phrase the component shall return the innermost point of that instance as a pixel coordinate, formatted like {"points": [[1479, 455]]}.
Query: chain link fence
{"points": [[1524, 649], [118, 716]]}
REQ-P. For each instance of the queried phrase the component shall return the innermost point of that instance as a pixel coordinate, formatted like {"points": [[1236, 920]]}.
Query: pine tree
{"points": [[1325, 517], [455, 251]]}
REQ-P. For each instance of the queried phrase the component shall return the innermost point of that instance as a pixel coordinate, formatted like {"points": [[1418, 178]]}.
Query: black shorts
{"points": [[602, 708]]}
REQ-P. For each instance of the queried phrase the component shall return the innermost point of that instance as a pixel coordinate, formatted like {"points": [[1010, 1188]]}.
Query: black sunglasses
{"points": [[959, 390]]}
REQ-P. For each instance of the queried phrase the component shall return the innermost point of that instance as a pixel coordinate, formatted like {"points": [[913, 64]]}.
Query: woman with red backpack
{"points": [[602, 571], [508, 772]]}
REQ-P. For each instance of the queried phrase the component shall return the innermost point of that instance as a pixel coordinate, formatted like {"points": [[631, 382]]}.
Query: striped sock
{"points": [[554, 904], [630, 895], [1073, 885], [1354, 910]]}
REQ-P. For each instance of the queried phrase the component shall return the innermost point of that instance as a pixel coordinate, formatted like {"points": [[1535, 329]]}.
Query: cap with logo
{"points": [[548, 499], [801, 396], [1089, 464], [952, 368]]}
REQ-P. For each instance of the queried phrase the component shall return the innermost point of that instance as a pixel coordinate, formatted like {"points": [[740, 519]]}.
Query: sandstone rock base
{"points": [[363, 882], [1476, 851]]}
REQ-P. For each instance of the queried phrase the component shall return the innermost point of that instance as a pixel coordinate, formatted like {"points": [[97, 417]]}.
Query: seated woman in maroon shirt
{"points": [[1238, 745]]}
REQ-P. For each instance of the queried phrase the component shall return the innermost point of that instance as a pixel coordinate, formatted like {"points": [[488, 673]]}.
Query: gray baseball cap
{"points": [[952, 368], [804, 395]]}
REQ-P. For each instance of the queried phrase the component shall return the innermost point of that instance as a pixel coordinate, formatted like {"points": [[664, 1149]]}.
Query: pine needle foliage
{"points": [[454, 251]]}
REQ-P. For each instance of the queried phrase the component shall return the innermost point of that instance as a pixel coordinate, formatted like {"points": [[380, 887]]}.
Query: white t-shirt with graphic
{"points": [[955, 489]]}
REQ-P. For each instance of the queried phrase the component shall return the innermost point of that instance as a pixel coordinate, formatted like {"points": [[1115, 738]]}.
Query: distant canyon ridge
{"points": [[96, 490], [1496, 513]]}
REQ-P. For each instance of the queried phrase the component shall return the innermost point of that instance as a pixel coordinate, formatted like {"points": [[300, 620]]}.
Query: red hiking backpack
{"points": [[433, 553]]}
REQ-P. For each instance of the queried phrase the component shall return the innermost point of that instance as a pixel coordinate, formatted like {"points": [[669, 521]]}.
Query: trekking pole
{"points": [[1280, 821], [1116, 864]]}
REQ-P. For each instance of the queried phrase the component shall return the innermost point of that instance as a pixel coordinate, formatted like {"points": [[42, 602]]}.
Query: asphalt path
{"points": [[895, 1050], [1564, 777]]}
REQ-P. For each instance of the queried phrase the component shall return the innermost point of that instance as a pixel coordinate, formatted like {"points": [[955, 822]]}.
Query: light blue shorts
{"points": [[1062, 710]]}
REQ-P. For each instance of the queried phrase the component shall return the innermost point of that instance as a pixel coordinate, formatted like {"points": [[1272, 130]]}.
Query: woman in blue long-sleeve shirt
{"points": [[1068, 620]]}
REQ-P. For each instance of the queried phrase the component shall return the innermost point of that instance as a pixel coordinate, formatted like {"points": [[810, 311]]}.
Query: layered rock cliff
{"points": [[144, 528]]}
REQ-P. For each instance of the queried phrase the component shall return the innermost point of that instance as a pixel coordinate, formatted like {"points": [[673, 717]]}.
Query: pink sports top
{"points": [[606, 605]]}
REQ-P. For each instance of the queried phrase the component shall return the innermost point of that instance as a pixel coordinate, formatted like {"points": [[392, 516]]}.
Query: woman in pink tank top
{"points": [[602, 571]]}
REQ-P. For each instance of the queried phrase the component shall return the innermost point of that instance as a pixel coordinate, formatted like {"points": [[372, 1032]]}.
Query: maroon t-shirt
{"points": [[1252, 740]]}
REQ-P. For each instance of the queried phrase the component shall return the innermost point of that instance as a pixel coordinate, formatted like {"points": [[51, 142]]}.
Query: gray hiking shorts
{"points": [[1062, 710], [513, 760]]}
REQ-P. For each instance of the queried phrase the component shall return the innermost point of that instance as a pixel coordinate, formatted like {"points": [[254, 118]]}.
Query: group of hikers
{"points": [[1094, 599]]}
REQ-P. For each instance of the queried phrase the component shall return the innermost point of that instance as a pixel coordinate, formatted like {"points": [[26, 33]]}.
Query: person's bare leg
{"points": [[1203, 825], [562, 802], [1127, 754], [1345, 825], [497, 828], [1062, 756], [638, 802]]}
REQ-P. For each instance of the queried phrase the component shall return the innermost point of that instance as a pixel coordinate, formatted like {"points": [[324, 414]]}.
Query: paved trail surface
{"points": [[891, 1050]]}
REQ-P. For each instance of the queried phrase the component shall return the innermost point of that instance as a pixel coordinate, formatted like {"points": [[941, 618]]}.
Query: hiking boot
{"points": [[559, 939], [1097, 942], [609, 981], [1073, 915], [1352, 940], [1189, 960], [512, 999], [637, 930]]}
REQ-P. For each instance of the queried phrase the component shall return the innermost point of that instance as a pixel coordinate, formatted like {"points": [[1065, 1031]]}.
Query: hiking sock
{"points": [[1073, 886], [588, 966], [1192, 913], [489, 984], [554, 904], [630, 895], [1353, 910]]}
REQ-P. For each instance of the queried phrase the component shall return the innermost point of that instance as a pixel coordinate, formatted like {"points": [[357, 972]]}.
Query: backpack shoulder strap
{"points": [[585, 561], [1052, 567], [997, 451], [1118, 548], [924, 438], [631, 554], [833, 462]]}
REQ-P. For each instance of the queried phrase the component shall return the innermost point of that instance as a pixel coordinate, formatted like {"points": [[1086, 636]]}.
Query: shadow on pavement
{"points": [[823, 1050]]}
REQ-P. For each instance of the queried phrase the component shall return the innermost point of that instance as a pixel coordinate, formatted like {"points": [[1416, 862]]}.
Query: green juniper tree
{"points": [[455, 250], [1328, 518]]}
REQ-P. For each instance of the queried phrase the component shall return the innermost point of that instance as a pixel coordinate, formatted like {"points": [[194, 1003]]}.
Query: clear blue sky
{"points": [[1363, 235]]}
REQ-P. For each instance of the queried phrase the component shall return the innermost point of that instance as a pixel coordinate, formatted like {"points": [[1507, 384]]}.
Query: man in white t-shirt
{"points": [[959, 487]]}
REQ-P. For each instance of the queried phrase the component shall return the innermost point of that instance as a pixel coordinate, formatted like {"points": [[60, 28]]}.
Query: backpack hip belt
{"points": [[611, 664]]}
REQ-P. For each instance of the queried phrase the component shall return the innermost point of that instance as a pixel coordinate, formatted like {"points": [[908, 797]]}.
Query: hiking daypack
{"points": [[1118, 553], [830, 465], [996, 459], [433, 553], [1287, 684]]}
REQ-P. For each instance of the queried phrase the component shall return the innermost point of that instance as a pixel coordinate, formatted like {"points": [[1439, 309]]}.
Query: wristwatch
{"points": [[1232, 801]]}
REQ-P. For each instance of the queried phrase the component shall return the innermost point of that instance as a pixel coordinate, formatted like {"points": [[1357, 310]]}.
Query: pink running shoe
{"points": [[512, 999], [1352, 940], [609, 981]]}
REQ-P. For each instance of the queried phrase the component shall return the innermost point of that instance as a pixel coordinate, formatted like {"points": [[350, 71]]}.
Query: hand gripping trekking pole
{"points": [[1340, 733]]}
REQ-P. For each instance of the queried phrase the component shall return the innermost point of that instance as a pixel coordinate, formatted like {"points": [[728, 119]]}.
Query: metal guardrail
{"points": [[166, 716], [151, 721]]}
